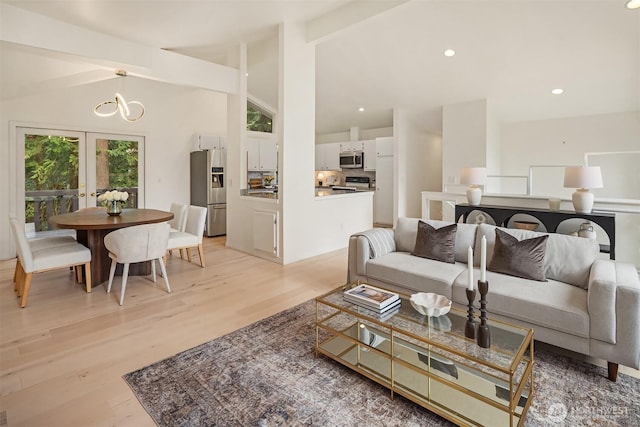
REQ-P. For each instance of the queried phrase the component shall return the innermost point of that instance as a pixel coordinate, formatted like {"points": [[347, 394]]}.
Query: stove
{"points": [[359, 182]]}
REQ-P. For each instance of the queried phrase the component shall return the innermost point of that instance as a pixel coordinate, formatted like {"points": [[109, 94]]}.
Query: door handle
{"points": [[93, 194], [82, 194]]}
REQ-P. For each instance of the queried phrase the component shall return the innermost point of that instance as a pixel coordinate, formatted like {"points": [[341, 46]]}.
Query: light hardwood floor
{"points": [[62, 357]]}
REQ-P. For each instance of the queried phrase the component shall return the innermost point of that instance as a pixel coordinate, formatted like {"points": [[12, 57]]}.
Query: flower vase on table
{"points": [[114, 208], [114, 201]]}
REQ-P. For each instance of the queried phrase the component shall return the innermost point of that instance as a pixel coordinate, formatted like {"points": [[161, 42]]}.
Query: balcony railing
{"points": [[40, 205]]}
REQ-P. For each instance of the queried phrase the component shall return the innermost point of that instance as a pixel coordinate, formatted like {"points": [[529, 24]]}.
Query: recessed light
{"points": [[361, 109], [449, 52], [557, 91]]}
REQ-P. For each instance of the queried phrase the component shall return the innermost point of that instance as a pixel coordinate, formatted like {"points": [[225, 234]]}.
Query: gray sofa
{"points": [[587, 304]]}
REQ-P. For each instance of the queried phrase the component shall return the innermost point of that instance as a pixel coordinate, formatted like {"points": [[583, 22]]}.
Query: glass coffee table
{"points": [[430, 361]]}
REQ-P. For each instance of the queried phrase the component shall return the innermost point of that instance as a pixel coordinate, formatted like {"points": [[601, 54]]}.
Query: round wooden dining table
{"points": [[93, 224]]}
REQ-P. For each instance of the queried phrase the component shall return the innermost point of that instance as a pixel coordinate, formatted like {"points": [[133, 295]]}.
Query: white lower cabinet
{"points": [[265, 231]]}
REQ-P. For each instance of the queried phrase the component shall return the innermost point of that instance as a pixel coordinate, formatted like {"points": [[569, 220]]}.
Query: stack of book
{"points": [[372, 298]]}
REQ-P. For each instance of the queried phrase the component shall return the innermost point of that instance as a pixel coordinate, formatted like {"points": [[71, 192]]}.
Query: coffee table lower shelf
{"points": [[452, 388]]}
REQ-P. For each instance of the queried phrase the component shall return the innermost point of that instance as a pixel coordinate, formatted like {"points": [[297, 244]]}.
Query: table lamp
{"points": [[473, 177], [582, 178]]}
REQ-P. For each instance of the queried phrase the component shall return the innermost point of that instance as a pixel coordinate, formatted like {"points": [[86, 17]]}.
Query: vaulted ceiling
{"points": [[512, 53]]}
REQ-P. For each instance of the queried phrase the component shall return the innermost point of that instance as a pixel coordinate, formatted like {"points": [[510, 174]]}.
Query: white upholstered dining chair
{"points": [[139, 243], [191, 237], [44, 255], [179, 220]]}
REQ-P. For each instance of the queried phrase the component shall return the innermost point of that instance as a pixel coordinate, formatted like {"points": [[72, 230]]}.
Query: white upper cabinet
{"points": [[328, 157], [370, 155], [352, 146], [384, 146], [262, 154]]}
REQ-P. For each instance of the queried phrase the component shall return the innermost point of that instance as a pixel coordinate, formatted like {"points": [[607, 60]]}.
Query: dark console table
{"points": [[502, 214]]}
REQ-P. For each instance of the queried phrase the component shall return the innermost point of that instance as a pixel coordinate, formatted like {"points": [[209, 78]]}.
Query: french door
{"points": [[61, 171]]}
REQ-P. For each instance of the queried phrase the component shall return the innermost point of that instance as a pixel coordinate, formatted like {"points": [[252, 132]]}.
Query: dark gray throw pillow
{"points": [[523, 258], [435, 243]]}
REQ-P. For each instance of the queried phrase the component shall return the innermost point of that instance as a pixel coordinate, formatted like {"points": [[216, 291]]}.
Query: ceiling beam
{"points": [[39, 31], [343, 17]]}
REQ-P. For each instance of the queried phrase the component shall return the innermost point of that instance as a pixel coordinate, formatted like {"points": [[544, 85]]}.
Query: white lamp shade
{"points": [[582, 177], [473, 176]]}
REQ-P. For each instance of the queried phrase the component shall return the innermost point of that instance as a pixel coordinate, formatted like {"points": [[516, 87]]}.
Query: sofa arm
{"points": [[612, 287], [358, 257]]}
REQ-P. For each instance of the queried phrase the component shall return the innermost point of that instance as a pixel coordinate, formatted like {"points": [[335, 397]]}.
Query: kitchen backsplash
{"points": [[340, 176]]}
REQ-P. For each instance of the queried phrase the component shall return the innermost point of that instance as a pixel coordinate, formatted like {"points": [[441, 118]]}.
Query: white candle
{"points": [[483, 259], [470, 267]]}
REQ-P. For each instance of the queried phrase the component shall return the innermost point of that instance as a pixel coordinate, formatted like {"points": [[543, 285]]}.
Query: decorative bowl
{"points": [[430, 304], [526, 225]]}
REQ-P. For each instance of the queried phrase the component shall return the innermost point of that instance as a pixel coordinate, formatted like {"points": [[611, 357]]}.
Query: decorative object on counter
{"points": [[526, 225], [114, 201], [582, 178], [430, 304], [586, 230], [473, 177], [268, 179], [255, 183], [320, 176], [554, 204], [484, 336], [470, 326]]}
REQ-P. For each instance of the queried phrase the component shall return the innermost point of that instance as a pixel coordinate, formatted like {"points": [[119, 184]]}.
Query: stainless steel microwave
{"points": [[351, 159]]}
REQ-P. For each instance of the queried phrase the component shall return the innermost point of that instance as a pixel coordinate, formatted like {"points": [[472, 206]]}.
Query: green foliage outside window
{"points": [[51, 167], [257, 120]]}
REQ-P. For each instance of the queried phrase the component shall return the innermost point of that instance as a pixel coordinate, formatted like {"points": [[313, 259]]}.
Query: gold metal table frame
{"points": [[430, 361]]}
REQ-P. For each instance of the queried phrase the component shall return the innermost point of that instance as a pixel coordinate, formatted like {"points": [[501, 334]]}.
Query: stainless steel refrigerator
{"points": [[208, 190]]}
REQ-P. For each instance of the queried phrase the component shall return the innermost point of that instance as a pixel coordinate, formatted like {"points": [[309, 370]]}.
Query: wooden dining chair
{"points": [[191, 237], [137, 244], [45, 256]]}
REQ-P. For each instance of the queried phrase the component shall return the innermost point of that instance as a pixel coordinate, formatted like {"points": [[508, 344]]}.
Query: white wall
{"points": [[464, 138], [365, 134], [310, 226], [417, 161], [173, 114], [565, 141]]}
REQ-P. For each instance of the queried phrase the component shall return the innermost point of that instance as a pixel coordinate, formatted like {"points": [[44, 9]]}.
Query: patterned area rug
{"points": [[266, 375]]}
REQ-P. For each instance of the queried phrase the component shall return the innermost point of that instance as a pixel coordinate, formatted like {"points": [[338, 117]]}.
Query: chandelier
{"points": [[120, 105]]}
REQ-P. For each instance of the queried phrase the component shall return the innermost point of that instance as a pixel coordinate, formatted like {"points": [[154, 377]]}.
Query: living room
{"points": [[48, 90]]}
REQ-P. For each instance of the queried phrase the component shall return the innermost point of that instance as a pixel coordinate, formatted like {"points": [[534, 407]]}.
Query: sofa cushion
{"points": [[568, 258], [552, 304], [435, 243], [420, 274], [407, 229], [520, 258]]}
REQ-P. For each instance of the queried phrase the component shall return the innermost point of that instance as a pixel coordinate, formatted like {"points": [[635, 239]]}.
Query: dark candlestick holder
{"points": [[470, 327], [484, 337]]}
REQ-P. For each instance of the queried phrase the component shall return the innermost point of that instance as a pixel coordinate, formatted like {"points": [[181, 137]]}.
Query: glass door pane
{"points": [[118, 165], [53, 169]]}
